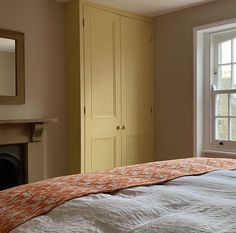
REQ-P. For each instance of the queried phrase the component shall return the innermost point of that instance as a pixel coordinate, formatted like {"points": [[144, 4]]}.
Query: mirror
{"points": [[12, 80], [7, 67]]}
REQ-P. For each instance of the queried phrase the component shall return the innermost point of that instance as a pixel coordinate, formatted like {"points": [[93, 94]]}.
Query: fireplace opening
{"points": [[12, 166]]}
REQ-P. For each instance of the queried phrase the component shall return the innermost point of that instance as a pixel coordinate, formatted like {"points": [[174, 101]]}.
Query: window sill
{"points": [[218, 154]]}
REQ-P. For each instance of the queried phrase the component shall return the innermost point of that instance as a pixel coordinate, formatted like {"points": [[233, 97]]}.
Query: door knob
{"points": [[118, 127], [123, 127]]}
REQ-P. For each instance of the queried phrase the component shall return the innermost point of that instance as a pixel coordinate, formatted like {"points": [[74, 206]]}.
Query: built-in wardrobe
{"points": [[109, 87]]}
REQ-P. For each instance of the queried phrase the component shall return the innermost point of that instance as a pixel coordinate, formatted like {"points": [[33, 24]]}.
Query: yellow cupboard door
{"points": [[137, 91], [102, 89]]}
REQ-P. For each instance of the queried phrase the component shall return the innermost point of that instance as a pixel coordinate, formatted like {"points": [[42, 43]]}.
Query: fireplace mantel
{"points": [[22, 130], [30, 133], [28, 121]]}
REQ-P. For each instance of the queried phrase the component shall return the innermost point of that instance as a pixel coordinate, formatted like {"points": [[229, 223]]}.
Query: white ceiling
{"points": [[149, 7]]}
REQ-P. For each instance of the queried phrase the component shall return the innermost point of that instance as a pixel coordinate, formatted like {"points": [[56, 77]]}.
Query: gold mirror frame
{"points": [[19, 38]]}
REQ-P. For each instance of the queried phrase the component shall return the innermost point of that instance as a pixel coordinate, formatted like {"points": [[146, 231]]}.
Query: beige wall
{"points": [[7, 73], [42, 21], [174, 75]]}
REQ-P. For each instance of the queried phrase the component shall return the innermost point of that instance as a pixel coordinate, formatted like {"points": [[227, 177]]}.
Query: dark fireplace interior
{"points": [[12, 166]]}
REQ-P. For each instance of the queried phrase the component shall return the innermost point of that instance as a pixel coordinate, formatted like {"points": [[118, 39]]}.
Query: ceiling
{"points": [[149, 7]]}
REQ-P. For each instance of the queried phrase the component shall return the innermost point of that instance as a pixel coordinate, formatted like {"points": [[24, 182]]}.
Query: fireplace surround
{"points": [[21, 151]]}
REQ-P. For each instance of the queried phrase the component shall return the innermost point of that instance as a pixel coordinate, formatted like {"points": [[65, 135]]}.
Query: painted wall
{"points": [[174, 75], [42, 21]]}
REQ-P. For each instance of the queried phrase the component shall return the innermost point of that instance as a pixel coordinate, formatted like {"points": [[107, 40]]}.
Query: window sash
{"points": [[216, 39], [215, 116]]}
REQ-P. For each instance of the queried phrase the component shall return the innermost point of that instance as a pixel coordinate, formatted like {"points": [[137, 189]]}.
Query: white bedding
{"points": [[193, 204]]}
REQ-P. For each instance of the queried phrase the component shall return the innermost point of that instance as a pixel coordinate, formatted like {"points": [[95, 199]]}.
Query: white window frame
{"points": [[203, 138]]}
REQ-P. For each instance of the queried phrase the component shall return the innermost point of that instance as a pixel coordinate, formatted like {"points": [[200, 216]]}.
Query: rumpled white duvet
{"points": [[193, 204]]}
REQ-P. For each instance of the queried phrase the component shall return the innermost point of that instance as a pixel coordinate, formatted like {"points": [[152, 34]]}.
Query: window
{"points": [[215, 88], [223, 87]]}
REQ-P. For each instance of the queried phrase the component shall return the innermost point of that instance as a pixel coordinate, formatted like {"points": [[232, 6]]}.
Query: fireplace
{"points": [[12, 166], [21, 151]]}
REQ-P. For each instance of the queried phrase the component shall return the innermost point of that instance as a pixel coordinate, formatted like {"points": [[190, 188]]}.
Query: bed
{"points": [[196, 195]]}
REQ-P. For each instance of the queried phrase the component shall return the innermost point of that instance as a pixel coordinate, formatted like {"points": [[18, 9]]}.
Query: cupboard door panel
{"points": [[103, 77], [137, 91], [107, 148], [135, 149], [102, 89]]}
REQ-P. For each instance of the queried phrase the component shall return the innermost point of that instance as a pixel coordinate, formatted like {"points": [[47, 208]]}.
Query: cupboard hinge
{"points": [[151, 110], [83, 22], [84, 110]]}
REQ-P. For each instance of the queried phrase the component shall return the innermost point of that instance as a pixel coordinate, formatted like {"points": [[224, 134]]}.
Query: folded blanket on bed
{"points": [[19, 204]]}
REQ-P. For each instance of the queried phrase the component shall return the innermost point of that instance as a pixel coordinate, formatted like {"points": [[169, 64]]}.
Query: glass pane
{"points": [[234, 55], [225, 52], [233, 129], [221, 128], [222, 105], [233, 105], [224, 78], [234, 77]]}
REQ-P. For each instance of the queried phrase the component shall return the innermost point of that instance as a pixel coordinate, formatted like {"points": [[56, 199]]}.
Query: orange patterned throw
{"points": [[19, 204]]}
